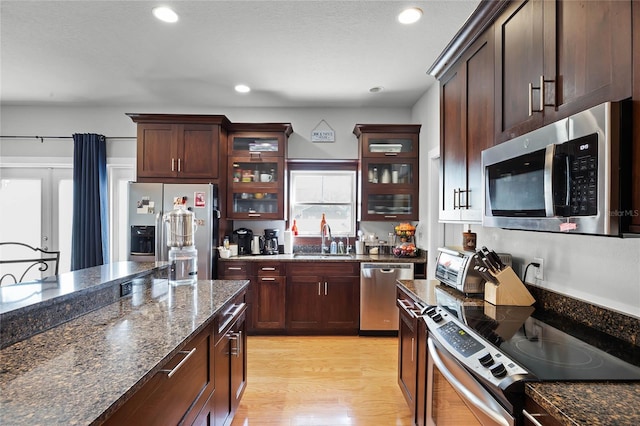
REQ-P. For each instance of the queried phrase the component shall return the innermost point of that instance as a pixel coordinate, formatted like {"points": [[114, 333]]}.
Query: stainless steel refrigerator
{"points": [[146, 237]]}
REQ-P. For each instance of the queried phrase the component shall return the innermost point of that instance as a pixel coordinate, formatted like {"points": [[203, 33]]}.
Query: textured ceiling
{"points": [[292, 53]]}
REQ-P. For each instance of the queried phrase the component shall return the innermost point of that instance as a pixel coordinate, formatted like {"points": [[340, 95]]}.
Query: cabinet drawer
{"points": [[328, 269], [235, 270], [170, 393], [224, 320], [269, 269]]}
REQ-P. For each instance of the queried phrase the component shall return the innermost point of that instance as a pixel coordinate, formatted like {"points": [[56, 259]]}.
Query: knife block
{"points": [[509, 290]]}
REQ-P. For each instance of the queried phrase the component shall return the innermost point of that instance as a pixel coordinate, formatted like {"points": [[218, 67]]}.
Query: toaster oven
{"points": [[455, 269]]}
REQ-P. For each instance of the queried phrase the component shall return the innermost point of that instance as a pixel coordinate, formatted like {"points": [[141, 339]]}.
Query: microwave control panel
{"points": [[583, 176]]}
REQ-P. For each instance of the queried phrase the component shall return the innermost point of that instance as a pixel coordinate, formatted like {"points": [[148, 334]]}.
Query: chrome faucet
{"points": [[324, 248]]}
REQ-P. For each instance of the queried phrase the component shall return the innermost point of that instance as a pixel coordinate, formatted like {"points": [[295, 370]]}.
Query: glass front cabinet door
{"points": [[255, 189], [389, 189], [389, 171], [257, 170]]}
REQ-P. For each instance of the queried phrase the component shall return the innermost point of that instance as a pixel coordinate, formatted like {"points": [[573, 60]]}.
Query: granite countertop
{"points": [[80, 372], [571, 403], [31, 307], [317, 257], [32, 293]]}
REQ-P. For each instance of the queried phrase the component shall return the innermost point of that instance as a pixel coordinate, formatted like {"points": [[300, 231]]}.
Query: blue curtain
{"points": [[90, 235]]}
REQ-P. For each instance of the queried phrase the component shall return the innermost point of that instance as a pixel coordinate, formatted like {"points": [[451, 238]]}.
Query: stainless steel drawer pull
{"points": [[391, 154], [325, 288], [267, 269], [177, 367], [267, 279], [179, 165], [319, 284], [173, 164], [532, 417], [254, 215], [234, 268]]}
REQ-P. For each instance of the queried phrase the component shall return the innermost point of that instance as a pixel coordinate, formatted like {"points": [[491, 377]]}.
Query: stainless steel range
{"points": [[486, 353]]}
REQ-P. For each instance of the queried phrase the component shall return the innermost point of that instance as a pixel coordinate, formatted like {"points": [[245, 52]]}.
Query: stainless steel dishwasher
{"points": [[378, 310]]}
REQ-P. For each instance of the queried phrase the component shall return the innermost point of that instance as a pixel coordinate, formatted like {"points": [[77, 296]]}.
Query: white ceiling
{"points": [[293, 53]]}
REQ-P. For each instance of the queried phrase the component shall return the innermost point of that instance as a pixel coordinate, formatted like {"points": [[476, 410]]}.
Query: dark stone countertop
{"points": [[571, 403], [80, 372], [317, 257], [32, 307]]}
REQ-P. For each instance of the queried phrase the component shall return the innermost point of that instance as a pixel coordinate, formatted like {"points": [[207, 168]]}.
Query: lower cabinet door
{"points": [[304, 308], [222, 393], [238, 361], [268, 300], [341, 303]]}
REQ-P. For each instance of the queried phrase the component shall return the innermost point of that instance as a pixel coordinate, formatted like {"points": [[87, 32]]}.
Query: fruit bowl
{"points": [[405, 250], [405, 230]]}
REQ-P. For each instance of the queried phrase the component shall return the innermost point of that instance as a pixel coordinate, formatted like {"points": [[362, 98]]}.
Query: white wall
{"points": [[112, 122], [601, 270]]}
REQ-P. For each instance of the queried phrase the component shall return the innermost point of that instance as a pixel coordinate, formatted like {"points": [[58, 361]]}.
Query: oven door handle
{"points": [[459, 387]]}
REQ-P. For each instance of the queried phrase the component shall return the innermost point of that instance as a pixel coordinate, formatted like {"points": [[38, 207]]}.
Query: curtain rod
{"points": [[42, 138]]}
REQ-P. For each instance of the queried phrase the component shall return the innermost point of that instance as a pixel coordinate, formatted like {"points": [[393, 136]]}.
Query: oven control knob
{"points": [[498, 370], [437, 318], [486, 360]]}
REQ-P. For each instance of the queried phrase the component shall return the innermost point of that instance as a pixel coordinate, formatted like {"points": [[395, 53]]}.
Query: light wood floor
{"points": [[322, 381]]}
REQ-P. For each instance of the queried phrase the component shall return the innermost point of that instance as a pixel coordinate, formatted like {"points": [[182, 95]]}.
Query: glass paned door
{"points": [[35, 209]]}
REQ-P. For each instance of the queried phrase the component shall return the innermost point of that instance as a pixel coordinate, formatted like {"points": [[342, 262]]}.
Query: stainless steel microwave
{"points": [[565, 177]]}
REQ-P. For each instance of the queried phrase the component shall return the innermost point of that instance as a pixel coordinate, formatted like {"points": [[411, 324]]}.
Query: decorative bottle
{"points": [[294, 228], [323, 222]]}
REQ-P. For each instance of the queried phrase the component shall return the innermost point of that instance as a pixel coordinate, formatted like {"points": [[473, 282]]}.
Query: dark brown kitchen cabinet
{"points": [[231, 362], [323, 298], [179, 148], [256, 170], [269, 290], [556, 58], [239, 270], [389, 172], [412, 355], [407, 352], [466, 97], [178, 392]]}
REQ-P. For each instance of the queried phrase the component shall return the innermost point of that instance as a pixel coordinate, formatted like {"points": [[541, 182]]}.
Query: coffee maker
{"points": [[270, 241], [243, 237]]}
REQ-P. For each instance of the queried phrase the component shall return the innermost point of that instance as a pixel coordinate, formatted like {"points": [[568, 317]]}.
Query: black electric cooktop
{"points": [[552, 348]]}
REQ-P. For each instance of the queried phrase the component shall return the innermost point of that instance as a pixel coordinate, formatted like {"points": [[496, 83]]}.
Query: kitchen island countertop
{"points": [[570, 403], [80, 372]]}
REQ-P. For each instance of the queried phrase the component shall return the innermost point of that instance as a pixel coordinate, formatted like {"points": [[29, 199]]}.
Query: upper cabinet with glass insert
{"points": [[388, 140], [389, 171], [257, 170]]}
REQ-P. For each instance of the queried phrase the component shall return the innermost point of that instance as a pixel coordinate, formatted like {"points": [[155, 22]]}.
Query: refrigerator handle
{"points": [[160, 247]]}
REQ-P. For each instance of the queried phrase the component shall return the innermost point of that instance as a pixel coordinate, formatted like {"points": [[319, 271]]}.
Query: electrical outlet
{"points": [[539, 271]]}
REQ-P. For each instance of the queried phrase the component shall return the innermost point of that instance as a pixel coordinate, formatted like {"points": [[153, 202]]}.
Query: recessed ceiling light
{"points": [[165, 14], [409, 16], [242, 88], [376, 89]]}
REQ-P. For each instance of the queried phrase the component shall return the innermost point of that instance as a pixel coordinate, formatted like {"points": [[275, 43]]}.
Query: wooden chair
{"points": [[33, 257]]}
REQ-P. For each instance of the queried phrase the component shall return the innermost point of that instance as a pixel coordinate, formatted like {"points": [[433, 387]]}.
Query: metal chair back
{"points": [[47, 260]]}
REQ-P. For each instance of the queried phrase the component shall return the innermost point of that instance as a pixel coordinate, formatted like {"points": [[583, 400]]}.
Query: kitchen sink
{"points": [[322, 256]]}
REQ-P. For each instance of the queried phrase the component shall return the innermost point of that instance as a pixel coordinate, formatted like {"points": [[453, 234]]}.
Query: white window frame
{"points": [[319, 172]]}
